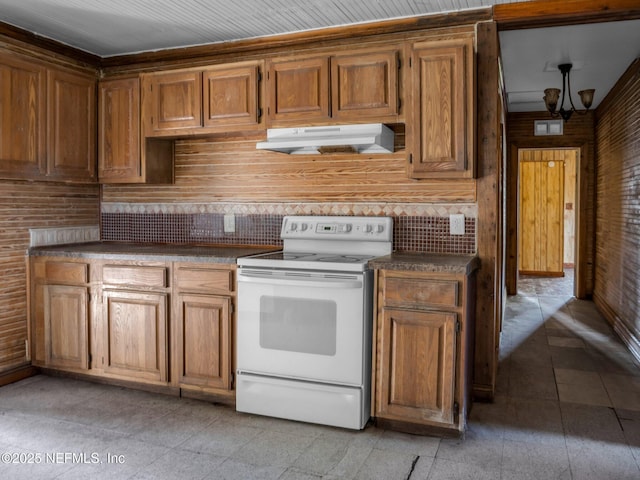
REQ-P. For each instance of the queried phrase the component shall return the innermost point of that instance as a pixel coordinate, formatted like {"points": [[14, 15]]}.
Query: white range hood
{"points": [[358, 138]]}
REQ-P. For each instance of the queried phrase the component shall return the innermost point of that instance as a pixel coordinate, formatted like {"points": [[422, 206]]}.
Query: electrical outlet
{"points": [[456, 224], [229, 223]]}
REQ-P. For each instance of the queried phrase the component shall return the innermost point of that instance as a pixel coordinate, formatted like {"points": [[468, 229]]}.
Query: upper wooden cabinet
{"points": [[47, 121], [23, 86], [71, 126], [216, 99], [231, 97], [365, 85], [441, 127], [123, 157], [298, 90], [173, 101], [119, 129], [343, 87]]}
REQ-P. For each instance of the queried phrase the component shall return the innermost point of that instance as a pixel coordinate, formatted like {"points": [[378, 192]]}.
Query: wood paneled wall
{"points": [[617, 274], [25, 205], [227, 169], [578, 133]]}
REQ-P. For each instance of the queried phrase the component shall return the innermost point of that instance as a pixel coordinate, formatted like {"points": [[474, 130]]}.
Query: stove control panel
{"points": [[338, 227]]}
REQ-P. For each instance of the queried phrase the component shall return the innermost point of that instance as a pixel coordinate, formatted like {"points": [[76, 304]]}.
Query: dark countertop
{"points": [[427, 262], [152, 252]]}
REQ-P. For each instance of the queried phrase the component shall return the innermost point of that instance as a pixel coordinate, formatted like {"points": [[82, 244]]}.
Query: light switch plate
{"points": [[229, 223], [456, 224]]}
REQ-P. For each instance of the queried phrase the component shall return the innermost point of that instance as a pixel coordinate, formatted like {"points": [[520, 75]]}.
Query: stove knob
{"points": [[303, 227], [368, 228], [294, 227], [380, 228]]}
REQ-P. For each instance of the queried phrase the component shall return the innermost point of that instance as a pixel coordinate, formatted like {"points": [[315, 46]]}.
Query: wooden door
{"points": [[204, 341], [230, 97], [22, 118], [66, 317], [298, 90], [172, 101], [136, 334], [441, 130], [541, 226], [364, 84], [416, 372], [71, 126], [119, 130]]}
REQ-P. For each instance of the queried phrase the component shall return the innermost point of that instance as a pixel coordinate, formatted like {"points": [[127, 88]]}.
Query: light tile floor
{"points": [[567, 407]]}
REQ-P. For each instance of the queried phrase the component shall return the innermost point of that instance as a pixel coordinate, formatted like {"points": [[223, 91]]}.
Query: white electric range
{"points": [[305, 319]]}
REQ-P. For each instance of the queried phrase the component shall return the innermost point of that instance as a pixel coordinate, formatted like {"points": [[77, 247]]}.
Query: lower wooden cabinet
{"points": [[66, 319], [135, 340], [204, 341], [60, 313], [423, 355], [162, 324], [418, 354], [203, 323]]}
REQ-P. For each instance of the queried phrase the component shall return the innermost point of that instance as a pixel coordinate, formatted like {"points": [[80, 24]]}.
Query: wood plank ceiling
{"points": [[118, 27]]}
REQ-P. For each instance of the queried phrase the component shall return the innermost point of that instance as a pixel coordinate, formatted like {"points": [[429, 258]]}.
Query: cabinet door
{"points": [[22, 118], [442, 122], [119, 130], [298, 90], [230, 97], [174, 101], [416, 371], [66, 317], [364, 85], [136, 334], [204, 341], [71, 126]]}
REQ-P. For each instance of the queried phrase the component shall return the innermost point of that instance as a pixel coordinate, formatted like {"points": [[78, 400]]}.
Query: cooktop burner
{"points": [[342, 258], [327, 244], [308, 261], [314, 257]]}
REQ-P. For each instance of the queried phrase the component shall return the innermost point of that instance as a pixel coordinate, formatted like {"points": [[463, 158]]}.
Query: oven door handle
{"points": [[300, 281]]}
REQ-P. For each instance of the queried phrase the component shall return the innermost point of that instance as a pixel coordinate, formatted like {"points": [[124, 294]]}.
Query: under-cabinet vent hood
{"points": [[360, 138]]}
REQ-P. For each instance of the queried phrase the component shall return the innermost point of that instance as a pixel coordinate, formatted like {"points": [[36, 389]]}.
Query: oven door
{"points": [[303, 325]]}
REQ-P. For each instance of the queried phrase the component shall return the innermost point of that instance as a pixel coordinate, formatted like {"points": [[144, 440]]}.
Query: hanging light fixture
{"points": [[551, 96]]}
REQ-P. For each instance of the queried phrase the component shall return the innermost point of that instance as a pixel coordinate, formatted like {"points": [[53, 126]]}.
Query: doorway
{"points": [[547, 212]]}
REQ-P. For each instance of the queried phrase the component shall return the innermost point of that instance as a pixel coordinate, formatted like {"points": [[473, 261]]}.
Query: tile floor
{"points": [[567, 407]]}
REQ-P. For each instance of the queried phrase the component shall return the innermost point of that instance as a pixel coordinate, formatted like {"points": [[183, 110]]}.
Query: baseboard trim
{"points": [[483, 393], [631, 341], [17, 374], [627, 337]]}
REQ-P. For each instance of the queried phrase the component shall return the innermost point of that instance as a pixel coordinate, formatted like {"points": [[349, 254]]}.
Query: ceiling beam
{"points": [[552, 13]]}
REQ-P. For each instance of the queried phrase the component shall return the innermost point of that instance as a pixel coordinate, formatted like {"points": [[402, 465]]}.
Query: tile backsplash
{"points": [[415, 229]]}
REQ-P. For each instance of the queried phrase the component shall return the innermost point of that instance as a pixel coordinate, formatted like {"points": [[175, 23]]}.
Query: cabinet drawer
{"points": [[412, 292], [135, 275], [203, 280], [66, 272]]}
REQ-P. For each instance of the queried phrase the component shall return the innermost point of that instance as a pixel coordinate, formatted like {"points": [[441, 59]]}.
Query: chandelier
{"points": [[551, 96]]}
